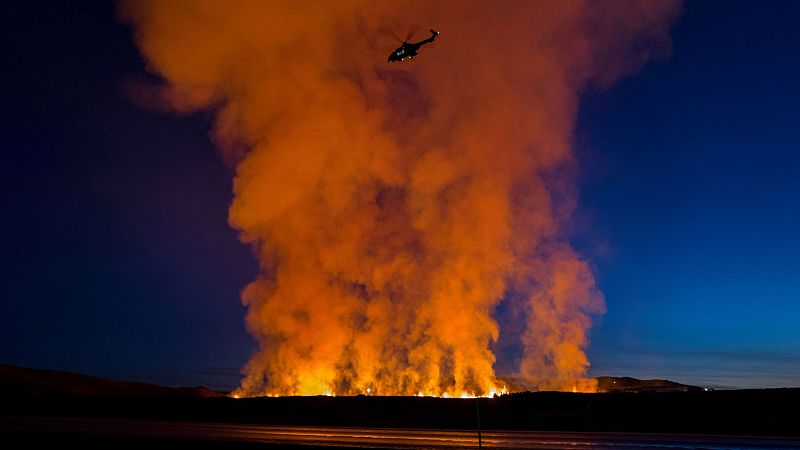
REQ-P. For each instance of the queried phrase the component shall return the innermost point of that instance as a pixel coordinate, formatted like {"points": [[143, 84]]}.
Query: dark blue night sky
{"points": [[117, 259]]}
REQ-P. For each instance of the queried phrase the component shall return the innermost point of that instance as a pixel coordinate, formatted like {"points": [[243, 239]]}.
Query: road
{"points": [[377, 438]]}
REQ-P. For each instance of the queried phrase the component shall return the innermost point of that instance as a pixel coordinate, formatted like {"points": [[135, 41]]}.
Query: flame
{"points": [[393, 209], [493, 392]]}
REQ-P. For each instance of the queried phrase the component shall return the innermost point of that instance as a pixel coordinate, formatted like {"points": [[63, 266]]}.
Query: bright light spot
{"points": [[235, 395], [368, 390], [328, 394], [446, 395]]}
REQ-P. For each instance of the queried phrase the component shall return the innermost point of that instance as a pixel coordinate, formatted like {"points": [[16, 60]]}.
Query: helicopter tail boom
{"points": [[434, 33]]}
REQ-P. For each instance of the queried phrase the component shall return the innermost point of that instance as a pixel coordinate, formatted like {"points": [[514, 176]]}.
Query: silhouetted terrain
{"points": [[628, 384], [25, 383], [764, 412]]}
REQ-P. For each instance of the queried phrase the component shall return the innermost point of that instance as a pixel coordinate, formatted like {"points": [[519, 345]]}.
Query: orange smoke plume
{"points": [[393, 207]]}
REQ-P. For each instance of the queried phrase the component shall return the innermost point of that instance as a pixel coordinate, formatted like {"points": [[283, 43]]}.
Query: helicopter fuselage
{"points": [[409, 50]]}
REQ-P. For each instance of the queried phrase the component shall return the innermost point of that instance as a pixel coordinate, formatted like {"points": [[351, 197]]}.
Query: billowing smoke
{"points": [[395, 207]]}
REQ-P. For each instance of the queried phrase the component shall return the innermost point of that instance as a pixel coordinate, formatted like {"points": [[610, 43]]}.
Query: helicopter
{"points": [[409, 50]]}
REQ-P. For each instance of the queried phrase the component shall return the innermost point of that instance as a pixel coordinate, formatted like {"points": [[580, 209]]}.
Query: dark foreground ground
{"points": [[123, 433], [28, 399], [774, 412]]}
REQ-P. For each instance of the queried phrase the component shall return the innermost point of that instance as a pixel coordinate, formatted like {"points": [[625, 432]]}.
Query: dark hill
{"points": [[21, 382], [628, 384]]}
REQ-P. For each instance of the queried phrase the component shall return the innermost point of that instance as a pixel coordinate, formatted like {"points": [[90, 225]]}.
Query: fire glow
{"points": [[395, 210], [493, 392]]}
